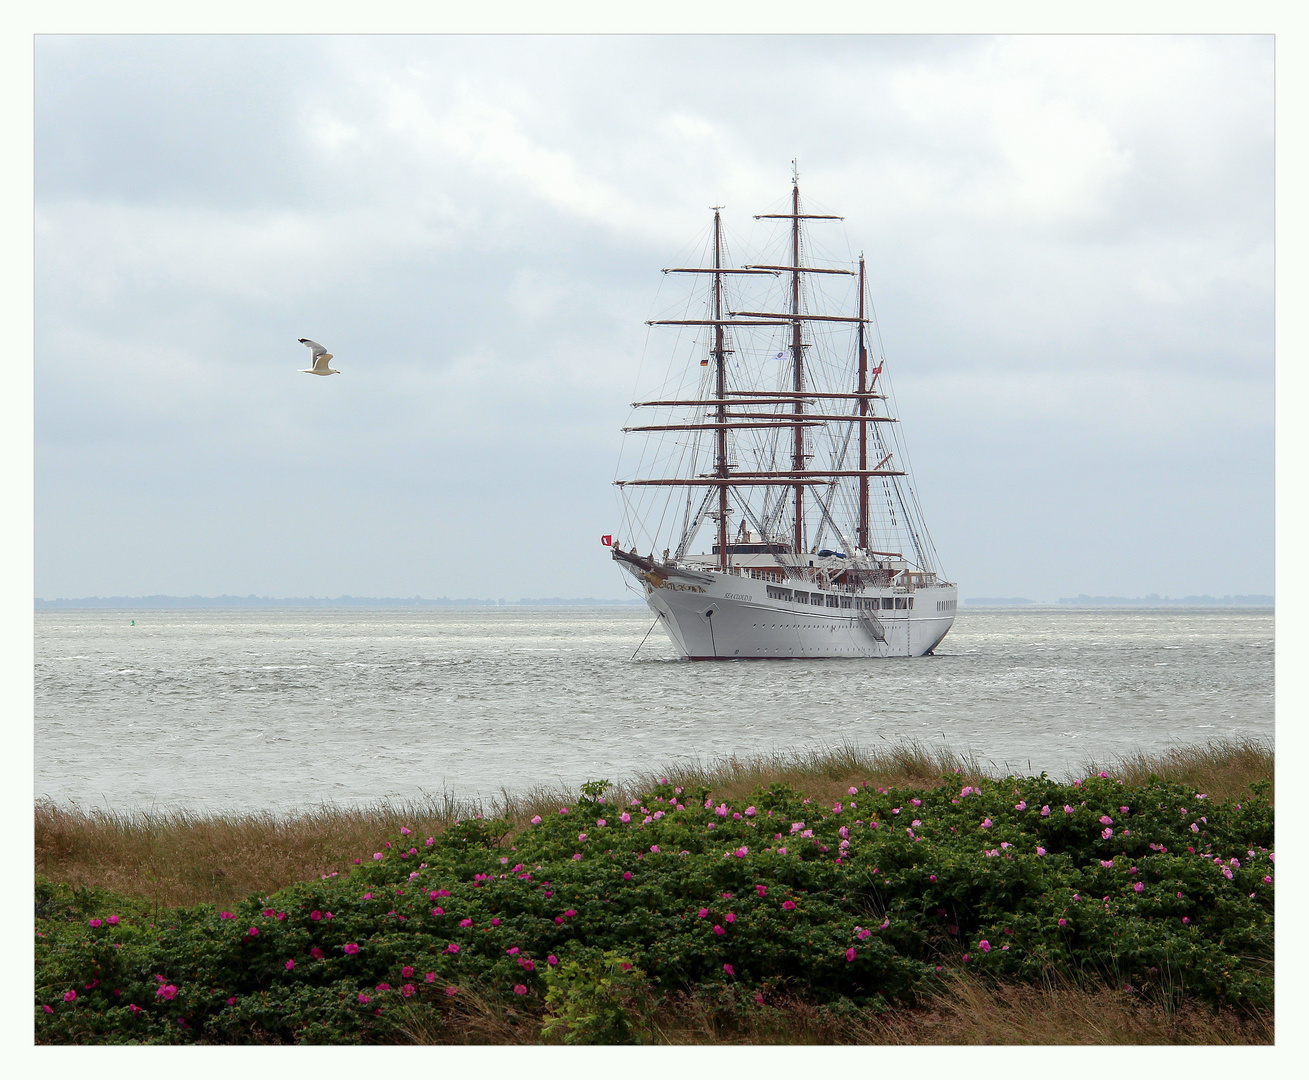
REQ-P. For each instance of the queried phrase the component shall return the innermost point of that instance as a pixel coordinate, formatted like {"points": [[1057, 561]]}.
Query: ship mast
{"points": [[720, 376], [797, 354], [863, 411], [725, 418]]}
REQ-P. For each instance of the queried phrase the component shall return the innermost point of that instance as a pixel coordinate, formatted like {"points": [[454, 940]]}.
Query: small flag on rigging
{"points": [[607, 541]]}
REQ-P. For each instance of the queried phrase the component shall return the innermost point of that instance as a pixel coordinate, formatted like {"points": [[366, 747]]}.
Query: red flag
{"points": [[607, 540], [877, 370]]}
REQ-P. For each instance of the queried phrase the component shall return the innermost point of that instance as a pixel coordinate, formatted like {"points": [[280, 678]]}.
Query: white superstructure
{"points": [[780, 439]]}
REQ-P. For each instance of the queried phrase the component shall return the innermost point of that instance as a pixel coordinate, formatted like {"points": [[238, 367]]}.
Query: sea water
{"points": [[236, 710]]}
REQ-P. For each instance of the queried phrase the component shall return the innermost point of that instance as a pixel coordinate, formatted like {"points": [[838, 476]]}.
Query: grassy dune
{"points": [[169, 859], [154, 862]]}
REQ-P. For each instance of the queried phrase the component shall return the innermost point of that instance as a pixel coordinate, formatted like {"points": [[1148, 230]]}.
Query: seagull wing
{"points": [[320, 361], [317, 349]]}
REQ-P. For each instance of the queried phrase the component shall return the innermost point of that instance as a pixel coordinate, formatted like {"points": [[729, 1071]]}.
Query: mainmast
{"points": [[721, 383], [797, 356], [797, 319]]}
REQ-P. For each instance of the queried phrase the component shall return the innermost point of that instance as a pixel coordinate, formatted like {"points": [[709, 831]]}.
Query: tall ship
{"points": [[768, 504]]}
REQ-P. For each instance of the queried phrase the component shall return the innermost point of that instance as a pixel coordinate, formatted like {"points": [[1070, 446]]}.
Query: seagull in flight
{"points": [[321, 357]]}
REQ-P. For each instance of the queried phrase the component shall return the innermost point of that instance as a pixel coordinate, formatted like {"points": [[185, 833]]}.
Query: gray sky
{"points": [[1070, 244]]}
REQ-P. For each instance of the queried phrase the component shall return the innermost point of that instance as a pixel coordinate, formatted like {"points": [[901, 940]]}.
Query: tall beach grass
{"points": [[967, 1011]]}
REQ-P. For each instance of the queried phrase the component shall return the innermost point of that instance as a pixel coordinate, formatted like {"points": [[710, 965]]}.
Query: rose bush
{"points": [[862, 902]]}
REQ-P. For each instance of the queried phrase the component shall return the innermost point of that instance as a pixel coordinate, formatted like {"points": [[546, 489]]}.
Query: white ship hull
{"points": [[723, 616]]}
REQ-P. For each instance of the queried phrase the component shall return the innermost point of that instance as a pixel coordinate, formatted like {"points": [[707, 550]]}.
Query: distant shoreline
{"points": [[198, 603], [205, 603], [1153, 600]]}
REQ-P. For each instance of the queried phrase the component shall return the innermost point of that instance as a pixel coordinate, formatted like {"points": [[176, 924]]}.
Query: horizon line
{"points": [[350, 600], [251, 599]]}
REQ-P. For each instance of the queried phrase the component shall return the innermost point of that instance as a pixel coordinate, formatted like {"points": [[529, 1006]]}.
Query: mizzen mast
{"points": [[863, 411]]}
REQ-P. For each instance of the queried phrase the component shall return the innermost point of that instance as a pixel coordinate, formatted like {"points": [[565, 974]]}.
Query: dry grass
{"points": [[970, 1012], [172, 859], [967, 1012], [825, 772], [1222, 768]]}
